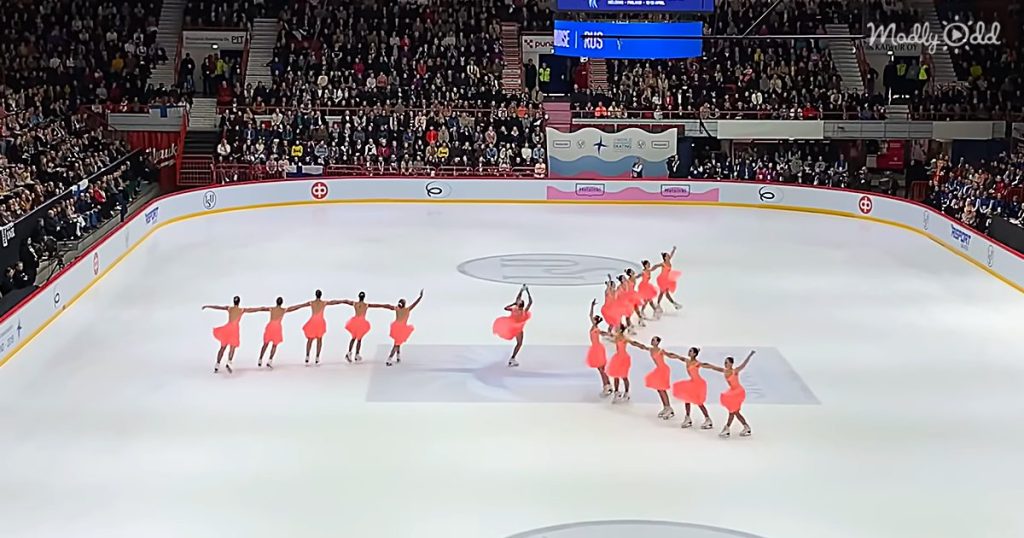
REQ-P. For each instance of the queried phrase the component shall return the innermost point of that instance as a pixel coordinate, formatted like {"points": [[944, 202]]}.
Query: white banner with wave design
{"points": [[595, 153]]}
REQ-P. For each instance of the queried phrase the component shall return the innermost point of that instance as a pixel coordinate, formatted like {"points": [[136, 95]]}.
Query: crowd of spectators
{"points": [[806, 163], [80, 51], [974, 194], [387, 87], [221, 14]]}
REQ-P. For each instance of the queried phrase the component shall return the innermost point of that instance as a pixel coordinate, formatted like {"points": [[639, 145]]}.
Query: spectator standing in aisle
{"points": [[544, 77], [530, 76], [187, 73]]}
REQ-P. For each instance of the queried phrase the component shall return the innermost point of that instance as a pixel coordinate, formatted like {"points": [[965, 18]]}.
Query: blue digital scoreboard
{"points": [[636, 6], [629, 40]]}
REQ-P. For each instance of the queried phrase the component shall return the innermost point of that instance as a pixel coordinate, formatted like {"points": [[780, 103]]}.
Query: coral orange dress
{"points": [[511, 326], [273, 333], [316, 327], [732, 398], [694, 390], [597, 357], [401, 331], [632, 298], [618, 367], [227, 334], [609, 311], [647, 290], [357, 326], [667, 278], [660, 377]]}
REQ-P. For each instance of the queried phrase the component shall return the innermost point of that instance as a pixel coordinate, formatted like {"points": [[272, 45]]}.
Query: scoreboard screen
{"points": [[628, 40], [638, 6]]}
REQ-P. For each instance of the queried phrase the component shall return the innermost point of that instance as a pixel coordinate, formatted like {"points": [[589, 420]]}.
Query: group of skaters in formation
{"points": [[625, 297]]}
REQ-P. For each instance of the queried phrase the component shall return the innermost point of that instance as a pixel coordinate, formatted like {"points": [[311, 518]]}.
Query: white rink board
{"points": [[23, 323]]}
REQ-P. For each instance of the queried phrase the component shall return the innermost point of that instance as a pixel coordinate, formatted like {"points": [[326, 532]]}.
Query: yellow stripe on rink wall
{"points": [[35, 314]]}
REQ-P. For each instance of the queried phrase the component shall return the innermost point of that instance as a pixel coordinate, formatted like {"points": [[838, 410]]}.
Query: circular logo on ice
{"points": [[547, 269], [926, 219], [209, 200], [769, 195], [319, 190], [633, 529], [865, 205], [438, 189], [990, 256], [95, 264]]}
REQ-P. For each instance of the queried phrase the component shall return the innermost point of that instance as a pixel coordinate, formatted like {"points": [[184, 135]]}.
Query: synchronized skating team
{"points": [[624, 298]]}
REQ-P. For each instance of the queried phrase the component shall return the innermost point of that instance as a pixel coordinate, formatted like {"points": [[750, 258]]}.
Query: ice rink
{"points": [[885, 398]]}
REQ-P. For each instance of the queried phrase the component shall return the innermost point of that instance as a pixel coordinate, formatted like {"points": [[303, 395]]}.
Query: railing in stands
{"points": [[202, 171], [196, 172], [340, 111], [641, 116]]}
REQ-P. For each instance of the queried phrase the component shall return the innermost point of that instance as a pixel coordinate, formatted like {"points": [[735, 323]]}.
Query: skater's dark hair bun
{"points": [[622, 327], [629, 271], [280, 301], [645, 263], [362, 295], [236, 300], [729, 360], [319, 294], [597, 319], [695, 350]]}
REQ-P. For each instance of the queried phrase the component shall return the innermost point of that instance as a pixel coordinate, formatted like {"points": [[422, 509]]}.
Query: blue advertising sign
{"points": [[631, 41], [626, 6]]}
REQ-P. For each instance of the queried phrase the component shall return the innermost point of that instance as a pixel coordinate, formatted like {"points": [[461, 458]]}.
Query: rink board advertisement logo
{"points": [[7, 234], [769, 195], [152, 215], [9, 336], [865, 205], [546, 269], [675, 191], [209, 200], [319, 190], [438, 190], [590, 189], [961, 237]]}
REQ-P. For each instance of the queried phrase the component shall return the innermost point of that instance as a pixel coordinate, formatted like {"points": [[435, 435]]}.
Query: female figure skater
{"points": [[316, 327], [660, 377], [693, 391], [227, 334], [634, 297], [511, 327], [622, 303], [732, 398], [667, 279], [357, 326], [618, 366], [646, 290], [272, 334], [597, 357], [611, 313], [400, 328]]}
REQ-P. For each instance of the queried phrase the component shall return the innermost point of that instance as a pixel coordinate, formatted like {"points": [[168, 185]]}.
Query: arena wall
{"points": [[26, 321]]}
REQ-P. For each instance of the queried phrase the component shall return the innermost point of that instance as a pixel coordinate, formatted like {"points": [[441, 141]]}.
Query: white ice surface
{"points": [[112, 423]]}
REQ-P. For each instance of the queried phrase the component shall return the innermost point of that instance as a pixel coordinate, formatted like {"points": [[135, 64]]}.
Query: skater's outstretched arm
{"points": [[744, 363], [529, 300], [634, 343], [338, 301], [256, 309], [592, 305], [417, 301], [296, 307], [215, 307], [712, 367], [379, 305], [671, 355]]}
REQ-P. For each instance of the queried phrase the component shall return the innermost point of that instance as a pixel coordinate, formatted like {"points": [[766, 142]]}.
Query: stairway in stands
{"points": [[512, 74], [598, 75], [844, 56], [261, 51], [943, 71], [559, 114], [168, 33]]}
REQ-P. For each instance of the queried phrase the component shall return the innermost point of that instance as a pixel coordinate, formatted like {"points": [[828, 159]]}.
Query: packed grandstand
{"points": [[438, 87]]}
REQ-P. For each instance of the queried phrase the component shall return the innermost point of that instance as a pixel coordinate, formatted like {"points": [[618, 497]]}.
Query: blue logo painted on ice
{"points": [[960, 236]]}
